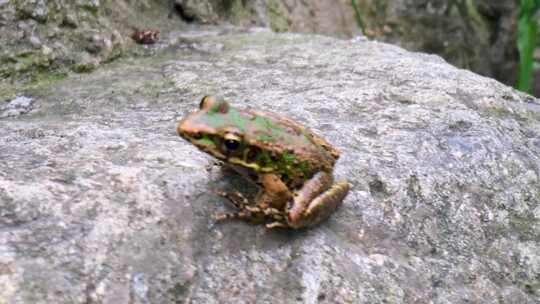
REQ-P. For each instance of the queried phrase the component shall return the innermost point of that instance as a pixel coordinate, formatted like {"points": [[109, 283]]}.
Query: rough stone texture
{"points": [[479, 35], [333, 18], [39, 36], [101, 202], [16, 107], [56, 35]]}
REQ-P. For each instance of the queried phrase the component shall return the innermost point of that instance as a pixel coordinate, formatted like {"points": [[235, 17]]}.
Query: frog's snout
{"points": [[180, 128], [187, 130]]}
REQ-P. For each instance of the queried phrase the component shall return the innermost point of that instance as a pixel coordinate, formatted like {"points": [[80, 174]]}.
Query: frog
{"points": [[291, 165]]}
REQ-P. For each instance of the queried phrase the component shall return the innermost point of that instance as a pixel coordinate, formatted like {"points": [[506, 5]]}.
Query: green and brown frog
{"points": [[291, 164]]}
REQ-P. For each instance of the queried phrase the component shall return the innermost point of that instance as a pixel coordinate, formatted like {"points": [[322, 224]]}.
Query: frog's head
{"points": [[215, 128], [248, 139]]}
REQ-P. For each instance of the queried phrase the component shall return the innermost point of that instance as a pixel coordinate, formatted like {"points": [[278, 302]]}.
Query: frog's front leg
{"points": [[245, 210], [235, 197], [316, 200], [270, 202], [274, 194]]}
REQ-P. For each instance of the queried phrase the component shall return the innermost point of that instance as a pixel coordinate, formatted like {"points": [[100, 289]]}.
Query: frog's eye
{"points": [[231, 145], [231, 142]]}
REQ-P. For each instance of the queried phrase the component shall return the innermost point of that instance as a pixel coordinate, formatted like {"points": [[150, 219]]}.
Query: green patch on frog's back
{"points": [[285, 164], [262, 129]]}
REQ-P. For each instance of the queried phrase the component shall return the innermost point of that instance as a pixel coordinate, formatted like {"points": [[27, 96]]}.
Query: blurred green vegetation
{"points": [[527, 41], [358, 15]]}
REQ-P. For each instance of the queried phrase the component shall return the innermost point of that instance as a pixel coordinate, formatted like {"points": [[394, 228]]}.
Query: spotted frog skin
{"points": [[291, 164]]}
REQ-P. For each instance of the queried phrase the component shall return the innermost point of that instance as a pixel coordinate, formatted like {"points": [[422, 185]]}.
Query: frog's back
{"points": [[299, 129], [259, 141], [289, 135]]}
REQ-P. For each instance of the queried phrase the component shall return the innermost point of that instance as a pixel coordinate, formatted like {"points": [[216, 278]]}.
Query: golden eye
{"points": [[231, 142]]}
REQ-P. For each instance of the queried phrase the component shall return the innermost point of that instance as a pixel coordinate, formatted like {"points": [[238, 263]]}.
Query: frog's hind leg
{"points": [[324, 204], [312, 204]]}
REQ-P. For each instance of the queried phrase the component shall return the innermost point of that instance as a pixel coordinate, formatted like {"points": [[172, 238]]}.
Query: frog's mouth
{"points": [[205, 143], [210, 144]]}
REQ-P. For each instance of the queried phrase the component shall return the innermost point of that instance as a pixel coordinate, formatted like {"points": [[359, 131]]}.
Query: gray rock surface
{"points": [[16, 107], [333, 18], [478, 35], [101, 202], [38, 36]]}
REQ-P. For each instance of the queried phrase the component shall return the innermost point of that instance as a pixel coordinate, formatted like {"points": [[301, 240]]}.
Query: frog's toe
{"points": [[232, 215], [235, 197], [274, 225]]}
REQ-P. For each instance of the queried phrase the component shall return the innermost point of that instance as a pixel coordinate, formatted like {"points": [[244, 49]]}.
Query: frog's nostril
{"points": [[180, 128]]}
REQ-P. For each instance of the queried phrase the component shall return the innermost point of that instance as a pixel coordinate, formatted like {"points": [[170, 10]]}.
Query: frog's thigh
{"points": [[322, 206], [314, 210], [309, 191]]}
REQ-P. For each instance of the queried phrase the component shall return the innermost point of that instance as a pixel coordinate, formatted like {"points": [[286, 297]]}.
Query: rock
{"points": [[35, 9], [34, 41], [478, 35], [46, 51], [317, 16], [85, 63], [16, 107], [200, 11], [82, 25], [102, 202], [70, 20]]}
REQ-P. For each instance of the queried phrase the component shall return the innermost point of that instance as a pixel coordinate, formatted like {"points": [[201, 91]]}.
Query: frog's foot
{"points": [[268, 213], [274, 225], [233, 215], [253, 214], [235, 197], [276, 215], [254, 217]]}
